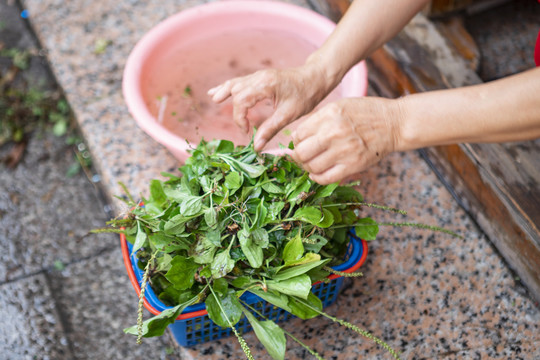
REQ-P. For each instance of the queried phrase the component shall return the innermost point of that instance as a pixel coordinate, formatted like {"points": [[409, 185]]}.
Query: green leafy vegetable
{"points": [[237, 221], [270, 335], [366, 228], [229, 303], [182, 272], [156, 326]]}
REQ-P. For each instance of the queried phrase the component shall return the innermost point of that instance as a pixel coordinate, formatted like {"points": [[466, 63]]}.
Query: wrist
{"points": [[406, 136], [327, 73]]}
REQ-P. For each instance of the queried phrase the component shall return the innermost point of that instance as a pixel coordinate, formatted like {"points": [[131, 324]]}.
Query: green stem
{"points": [[107, 230], [421, 226], [371, 205], [342, 273], [310, 350], [403, 224], [355, 328], [128, 194], [141, 299], [241, 340]]}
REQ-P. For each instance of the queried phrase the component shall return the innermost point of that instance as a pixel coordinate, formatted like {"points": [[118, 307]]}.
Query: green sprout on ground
{"points": [[28, 107]]}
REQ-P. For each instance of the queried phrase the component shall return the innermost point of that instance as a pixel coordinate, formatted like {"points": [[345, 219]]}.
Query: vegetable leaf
{"points": [[140, 239], [191, 205], [300, 269], [293, 250], [253, 251], [222, 264], [270, 335], [182, 272], [366, 228], [156, 326], [297, 286], [230, 304]]}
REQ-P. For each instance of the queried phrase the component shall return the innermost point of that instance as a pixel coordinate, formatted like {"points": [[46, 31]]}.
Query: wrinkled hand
{"points": [[345, 137], [293, 92]]}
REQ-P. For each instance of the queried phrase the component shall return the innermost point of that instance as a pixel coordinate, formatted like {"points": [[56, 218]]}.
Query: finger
{"points": [[240, 117], [271, 127], [222, 92], [213, 90], [308, 127], [295, 159], [321, 163], [242, 102], [310, 148], [332, 175]]}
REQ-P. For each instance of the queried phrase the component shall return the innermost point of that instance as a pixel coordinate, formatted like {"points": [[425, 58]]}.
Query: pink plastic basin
{"points": [[171, 68]]}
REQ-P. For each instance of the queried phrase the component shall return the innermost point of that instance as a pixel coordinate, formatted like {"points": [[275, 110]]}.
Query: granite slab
{"points": [[43, 213], [426, 294]]}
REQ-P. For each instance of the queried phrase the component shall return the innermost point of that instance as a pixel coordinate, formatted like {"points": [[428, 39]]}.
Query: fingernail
{"points": [[213, 90], [257, 144]]}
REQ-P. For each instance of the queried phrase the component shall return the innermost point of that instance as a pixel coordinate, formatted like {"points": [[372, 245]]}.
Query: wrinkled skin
{"points": [[293, 92], [334, 143], [341, 139], [345, 137]]}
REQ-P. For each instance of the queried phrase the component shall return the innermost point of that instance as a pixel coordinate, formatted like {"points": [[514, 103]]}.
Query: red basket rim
{"points": [[192, 314]]}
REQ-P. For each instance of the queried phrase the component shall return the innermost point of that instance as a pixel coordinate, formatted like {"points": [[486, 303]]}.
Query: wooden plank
{"points": [[453, 29], [440, 8], [515, 170], [499, 216], [497, 184]]}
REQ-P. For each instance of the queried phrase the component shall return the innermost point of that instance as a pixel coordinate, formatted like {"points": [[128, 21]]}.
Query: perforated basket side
{"points": [[194, 326], [200, 329]]}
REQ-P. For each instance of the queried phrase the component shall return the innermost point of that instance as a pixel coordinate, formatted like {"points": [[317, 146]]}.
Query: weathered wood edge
{"points": [[420, 59]]}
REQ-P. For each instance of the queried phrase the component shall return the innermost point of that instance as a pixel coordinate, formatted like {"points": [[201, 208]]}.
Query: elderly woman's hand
{"points": [[347, 136], [294, 92]]}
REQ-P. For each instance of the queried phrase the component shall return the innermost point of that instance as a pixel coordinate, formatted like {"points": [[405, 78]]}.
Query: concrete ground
{"points": [[55, 282], [57, 285]]}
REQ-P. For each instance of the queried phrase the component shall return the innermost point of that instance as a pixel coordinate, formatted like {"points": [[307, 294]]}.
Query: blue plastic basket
{"points": [[194, 326]]}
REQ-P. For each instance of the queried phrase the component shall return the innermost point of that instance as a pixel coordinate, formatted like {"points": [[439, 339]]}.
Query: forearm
{"points": [[366, 26], [499, 111]]}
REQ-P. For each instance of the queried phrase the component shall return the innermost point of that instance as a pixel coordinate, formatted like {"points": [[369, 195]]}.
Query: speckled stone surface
{"points": [[426, 294], [46, 214], [31, 327], [96, 321], [506, 36]]}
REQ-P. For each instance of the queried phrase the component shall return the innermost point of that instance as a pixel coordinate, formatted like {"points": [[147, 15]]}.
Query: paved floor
{"points": [[66, 296], [55, 283]]}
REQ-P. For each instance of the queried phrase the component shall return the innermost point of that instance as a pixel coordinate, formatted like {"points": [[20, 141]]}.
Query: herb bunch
{"points": [[237, 221]]}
